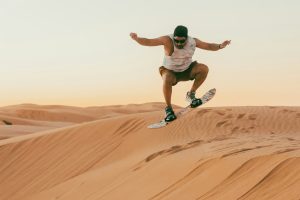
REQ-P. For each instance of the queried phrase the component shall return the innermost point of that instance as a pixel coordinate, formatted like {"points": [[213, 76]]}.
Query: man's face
{"points": [[179, 42]]}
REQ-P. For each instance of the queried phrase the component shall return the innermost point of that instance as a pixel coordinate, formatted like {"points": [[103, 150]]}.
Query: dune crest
{"points": [[31, 118]]}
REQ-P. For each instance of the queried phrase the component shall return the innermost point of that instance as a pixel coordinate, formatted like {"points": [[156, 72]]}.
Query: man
{"points": [[178, 65]]}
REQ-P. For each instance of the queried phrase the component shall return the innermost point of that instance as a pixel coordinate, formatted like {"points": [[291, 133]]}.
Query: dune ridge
{"points": [[211, 153], [31, 118]]}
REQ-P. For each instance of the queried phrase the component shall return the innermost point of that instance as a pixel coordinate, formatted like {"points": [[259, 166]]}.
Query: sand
{"points": [[72, 153]]}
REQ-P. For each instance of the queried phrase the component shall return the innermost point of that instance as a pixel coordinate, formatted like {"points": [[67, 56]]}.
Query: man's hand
{"points": [[224, 44], [133, 36]]}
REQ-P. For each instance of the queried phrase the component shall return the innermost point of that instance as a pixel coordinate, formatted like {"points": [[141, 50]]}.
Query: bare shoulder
{"points": [[165, 39], [201, 44], [197, 40]]}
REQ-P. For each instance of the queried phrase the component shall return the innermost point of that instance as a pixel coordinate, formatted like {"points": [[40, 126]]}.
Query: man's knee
{"points": [[199, 70], [169, 78], [203, 69]]}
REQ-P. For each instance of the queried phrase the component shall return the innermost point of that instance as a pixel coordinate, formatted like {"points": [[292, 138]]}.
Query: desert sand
{"points": [[93, 153]]}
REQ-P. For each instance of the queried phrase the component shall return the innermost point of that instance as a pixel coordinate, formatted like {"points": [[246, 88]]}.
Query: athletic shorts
{"points": [[180, 76]]}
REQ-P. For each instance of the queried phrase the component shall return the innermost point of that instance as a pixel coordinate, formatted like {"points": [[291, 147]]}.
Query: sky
{"points": [[79, 53]]}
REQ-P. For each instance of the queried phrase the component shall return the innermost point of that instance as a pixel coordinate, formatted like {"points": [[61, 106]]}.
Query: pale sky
{"points": [[79, 53]]}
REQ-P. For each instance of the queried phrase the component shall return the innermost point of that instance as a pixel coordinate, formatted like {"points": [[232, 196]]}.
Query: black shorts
{"points": [[180, 76]]}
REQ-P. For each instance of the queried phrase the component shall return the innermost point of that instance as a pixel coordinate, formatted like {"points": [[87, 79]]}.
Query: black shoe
{"points": [[196, 102], [191, 98], [170, 115]]}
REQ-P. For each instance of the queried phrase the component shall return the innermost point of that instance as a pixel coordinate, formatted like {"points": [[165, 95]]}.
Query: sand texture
{"points": [[93, 153]]}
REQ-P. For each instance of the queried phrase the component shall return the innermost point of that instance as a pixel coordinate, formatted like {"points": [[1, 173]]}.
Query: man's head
{"points": [[180, 36]]}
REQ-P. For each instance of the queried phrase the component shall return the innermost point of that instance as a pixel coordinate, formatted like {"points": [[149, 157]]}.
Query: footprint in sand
{"points": [[203, 111], [239, 151], [6, 122], [244, 130], [229, 116], [154, 155], [219, 124], [235, 129], [291, 139], [222, 113], [174, 149], [240, 116], [196, 142], [252, 117], [287, 111]]}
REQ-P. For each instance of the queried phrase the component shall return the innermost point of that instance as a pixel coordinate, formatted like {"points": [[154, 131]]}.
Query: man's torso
{"points": [[178, 59]]}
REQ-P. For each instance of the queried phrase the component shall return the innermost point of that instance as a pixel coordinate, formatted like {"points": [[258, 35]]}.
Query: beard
{"points": [[180, 46]]}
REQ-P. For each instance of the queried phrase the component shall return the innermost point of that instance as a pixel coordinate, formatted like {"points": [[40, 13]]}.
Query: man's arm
{"points": [[211, 46], [149, 42]]}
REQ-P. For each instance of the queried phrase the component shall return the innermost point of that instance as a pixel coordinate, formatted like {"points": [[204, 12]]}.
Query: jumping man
{"points": [[178, 64]]}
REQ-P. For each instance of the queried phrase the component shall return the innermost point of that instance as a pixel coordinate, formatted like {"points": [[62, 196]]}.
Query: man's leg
{"points": [[169, 79], [200, 72]]}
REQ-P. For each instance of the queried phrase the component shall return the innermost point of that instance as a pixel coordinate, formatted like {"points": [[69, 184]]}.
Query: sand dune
{"points": [[211, 153], [32, 118]]}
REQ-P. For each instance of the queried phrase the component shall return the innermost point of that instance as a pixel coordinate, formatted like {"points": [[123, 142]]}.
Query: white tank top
{"points": [[180, 59]]}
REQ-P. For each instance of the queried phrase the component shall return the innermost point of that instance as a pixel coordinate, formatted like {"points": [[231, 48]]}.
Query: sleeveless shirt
{"points": [[180, 59]]}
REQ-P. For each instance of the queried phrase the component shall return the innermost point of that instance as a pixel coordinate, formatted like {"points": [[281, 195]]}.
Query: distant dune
{"points": [[72, 153], [31, 118]]}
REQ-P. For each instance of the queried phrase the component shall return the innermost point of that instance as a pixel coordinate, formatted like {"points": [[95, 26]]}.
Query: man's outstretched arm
{"points": [[148, 42], [211, 46]]}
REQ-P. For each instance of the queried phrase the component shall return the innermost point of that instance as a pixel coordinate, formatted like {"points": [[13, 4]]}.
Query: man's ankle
{"points": [[169, 106]]}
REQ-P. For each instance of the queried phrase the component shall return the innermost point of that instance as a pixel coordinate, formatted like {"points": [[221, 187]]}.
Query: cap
{"points": [[181, 31]]}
